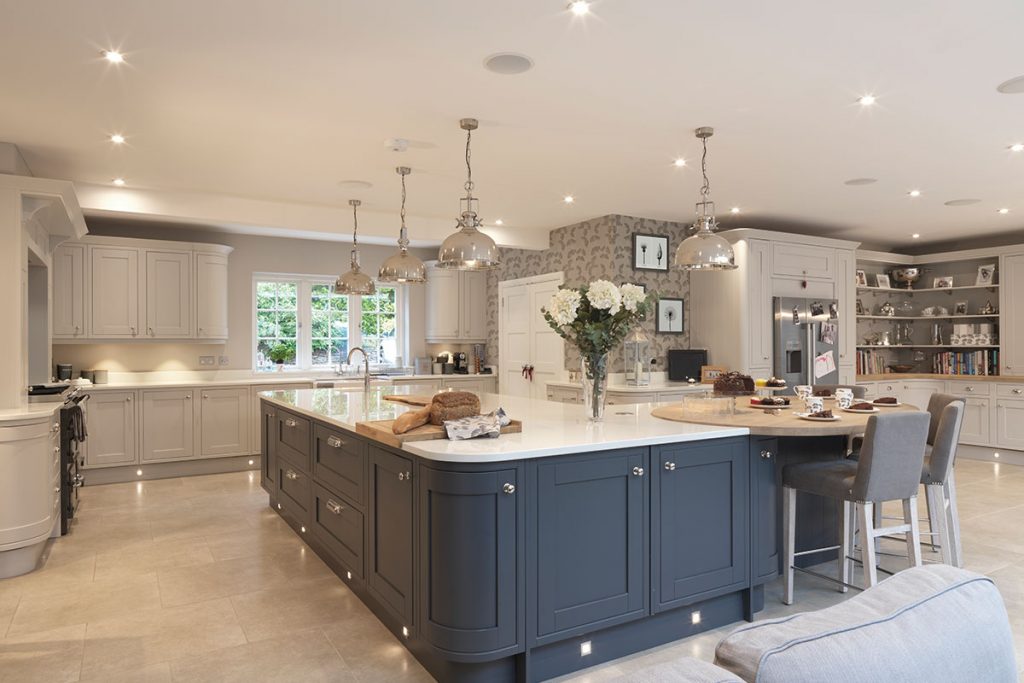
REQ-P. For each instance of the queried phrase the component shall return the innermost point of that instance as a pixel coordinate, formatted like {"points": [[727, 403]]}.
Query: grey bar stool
{"points": [[889, 468]]}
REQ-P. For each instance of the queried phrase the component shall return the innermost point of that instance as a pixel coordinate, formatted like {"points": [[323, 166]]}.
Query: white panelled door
{"points": [[524, 339]]}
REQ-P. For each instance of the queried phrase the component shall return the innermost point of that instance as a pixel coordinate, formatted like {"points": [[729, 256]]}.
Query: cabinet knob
{"points": [[56, 449], [200, 331], [334, 442], [290, 422], [206, 396], [670, 466], [766, 454], [132, 330], [968, 388], [76, 329], [405, 476], [509, 488], [638, 471], [333, 506], [291, 475], [188, 397], [150, 330], [56, 427], [128, 399], [1016, 391]]}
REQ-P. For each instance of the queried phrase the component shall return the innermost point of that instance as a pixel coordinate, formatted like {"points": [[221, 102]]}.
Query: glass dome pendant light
{"points": [[354, 281], [704, 250], [468, 248], [403, 266]]}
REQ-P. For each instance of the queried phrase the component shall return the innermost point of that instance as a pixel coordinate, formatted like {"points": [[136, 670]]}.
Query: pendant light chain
{"points": [[706, 188], [469, 166], [355, 226]]}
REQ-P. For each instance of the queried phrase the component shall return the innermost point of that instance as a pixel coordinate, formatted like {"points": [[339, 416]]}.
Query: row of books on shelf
{"points": [[982, 362]]}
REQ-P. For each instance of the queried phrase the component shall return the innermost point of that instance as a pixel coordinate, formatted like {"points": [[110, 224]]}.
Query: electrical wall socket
{"points": [[206, 360], [222, 360]]}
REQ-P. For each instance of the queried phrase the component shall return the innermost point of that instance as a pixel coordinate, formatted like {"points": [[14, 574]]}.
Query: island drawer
{"points": [[339, 527], [968, 388], [292, 438], [339, 461], [295, 485], [1010, 390]]}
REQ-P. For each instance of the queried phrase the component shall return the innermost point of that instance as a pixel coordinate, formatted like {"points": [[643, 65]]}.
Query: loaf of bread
{"points": [[453, 405], [411, 420]]}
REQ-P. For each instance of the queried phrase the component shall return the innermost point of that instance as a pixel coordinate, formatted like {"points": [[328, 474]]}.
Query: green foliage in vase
{"points": [[596, 318]]}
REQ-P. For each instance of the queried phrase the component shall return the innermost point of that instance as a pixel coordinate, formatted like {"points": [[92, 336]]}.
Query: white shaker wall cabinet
{"points": [[456, 305], [110, 416], [168, 288], [224, 427], [168, 424], [211, 296], [1011, 329], [29, 493], [132, 289], [114, 300], [69, 291]]}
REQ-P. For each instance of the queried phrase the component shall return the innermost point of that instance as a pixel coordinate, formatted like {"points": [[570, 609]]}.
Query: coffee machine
{"points": [[461, 363]]}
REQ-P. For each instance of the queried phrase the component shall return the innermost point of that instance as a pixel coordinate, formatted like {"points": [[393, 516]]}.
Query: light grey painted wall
{"points": [[252, 254]]}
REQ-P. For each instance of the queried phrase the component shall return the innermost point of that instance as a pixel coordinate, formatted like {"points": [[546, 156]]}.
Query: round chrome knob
{"points": [[766, 454], [638, 471], [509, 488]]}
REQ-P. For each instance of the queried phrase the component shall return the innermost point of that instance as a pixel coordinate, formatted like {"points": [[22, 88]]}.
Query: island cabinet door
{"points": [[591, 524], [699, 518], [765, 510], [470, 555], [390, 563]]}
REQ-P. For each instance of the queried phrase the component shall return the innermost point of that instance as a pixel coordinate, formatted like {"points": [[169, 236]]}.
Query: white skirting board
{"points": [[165, 470], [988, 454]]}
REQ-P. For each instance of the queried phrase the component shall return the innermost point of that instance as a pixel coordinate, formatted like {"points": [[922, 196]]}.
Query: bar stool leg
{"points": [[846, 546], [788, 542], [866, 520], [953, 521], [938, 520], [879, 522], [914, 536], [932, 526]]}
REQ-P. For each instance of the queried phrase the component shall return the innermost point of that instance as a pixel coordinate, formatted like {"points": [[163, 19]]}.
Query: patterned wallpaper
{"points": [[601, 248]]}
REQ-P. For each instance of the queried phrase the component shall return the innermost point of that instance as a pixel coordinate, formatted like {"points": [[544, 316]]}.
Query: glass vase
{"points": [[594, 377]]}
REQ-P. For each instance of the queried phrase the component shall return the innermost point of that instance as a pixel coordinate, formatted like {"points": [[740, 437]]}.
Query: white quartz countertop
{"points": [[649, 389], [549, 428], [268, 379], [29, 412]]}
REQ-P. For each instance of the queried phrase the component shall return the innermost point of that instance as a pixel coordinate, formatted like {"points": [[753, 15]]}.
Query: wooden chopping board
{"points": [[410, 400], [380, 430]]}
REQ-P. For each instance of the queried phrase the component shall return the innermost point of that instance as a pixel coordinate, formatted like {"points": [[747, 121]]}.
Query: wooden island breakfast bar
{"points": [[539, 553]]}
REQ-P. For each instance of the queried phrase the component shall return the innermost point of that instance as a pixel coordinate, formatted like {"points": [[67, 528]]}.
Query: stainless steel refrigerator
{"points": [[806, 341]]}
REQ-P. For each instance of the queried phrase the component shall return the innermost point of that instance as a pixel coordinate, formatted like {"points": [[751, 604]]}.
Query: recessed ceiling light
{"points": [[866, 100], [508, 63], [113, 56], [117, 139], [579, 7], [499, 222], [916, 235], [680, 162], [962, 202], [568, 199], [860, 181], [1004, 211], [914, 193], [1017, 147], [734, 209], [1014, 86], [118, 181]]}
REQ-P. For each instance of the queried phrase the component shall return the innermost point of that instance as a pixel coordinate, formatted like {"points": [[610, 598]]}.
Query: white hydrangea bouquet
{"points": [[595, 319]]}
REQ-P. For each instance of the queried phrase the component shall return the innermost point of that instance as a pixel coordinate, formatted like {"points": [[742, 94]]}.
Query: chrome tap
{"points": [[366, 367]]}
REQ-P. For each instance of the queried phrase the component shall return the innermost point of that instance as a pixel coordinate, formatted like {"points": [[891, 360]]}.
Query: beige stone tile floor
{"points": [[196, 579]]}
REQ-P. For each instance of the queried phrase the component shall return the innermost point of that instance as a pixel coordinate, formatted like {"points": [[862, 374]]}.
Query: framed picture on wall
{"points": [[670, 316], [650, 252]]}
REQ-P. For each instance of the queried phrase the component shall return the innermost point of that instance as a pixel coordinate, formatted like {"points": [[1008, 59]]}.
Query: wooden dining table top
{"points": [[782, 422]]}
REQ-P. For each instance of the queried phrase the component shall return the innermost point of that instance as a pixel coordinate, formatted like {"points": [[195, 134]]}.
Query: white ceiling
{"points": [[248, 113]]}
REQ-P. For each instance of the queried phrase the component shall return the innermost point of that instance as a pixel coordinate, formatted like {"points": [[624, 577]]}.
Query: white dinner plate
{"points": [[897, 404], [862, 412], [807, 416]]}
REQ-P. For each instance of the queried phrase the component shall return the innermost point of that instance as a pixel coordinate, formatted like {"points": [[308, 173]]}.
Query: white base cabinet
{"points": [[168, 425], [1010, 423], [110, 419], [224, 422]]}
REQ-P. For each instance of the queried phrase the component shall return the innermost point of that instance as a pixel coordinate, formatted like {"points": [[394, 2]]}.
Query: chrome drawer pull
{"points": [[334, 507], [290, 422], [670, 466], [638, 471], [1016, 391], [291, 475], [968, 388], [509, 488], [766, 454], [334, 442]]}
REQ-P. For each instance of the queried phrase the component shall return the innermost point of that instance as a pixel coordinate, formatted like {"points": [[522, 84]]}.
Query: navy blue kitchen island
{"points": [[535, 554]]}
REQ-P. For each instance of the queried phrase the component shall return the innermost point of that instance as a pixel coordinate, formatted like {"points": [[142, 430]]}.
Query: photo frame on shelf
{"points": [[670, 316], [860, 308], [944, 282], [882, 281], [986, 275], [650, 252], [709, 373], [960, 308], [862, 278]]}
